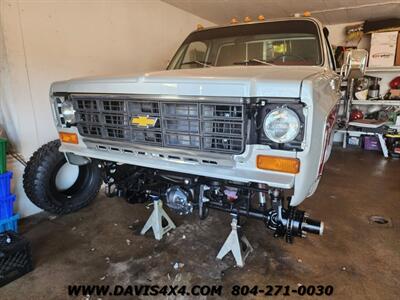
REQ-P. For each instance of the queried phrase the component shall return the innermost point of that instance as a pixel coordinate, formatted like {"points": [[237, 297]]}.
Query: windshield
{"points": [[294, 42]]}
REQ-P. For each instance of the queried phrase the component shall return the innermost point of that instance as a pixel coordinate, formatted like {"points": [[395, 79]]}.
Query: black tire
{"points": [[40, 181]]}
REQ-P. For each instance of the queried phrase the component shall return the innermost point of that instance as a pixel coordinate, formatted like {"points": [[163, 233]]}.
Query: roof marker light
{"points": [[247, 19], [200, 27], [307, 13], [234, 21], [261, 18]]}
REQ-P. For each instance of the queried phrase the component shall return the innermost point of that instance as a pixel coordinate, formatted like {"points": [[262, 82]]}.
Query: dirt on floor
{"points": [[101, 244]]}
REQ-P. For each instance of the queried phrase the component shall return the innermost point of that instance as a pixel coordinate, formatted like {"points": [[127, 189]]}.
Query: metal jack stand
{"points": [[156, 218], [237, 243]]}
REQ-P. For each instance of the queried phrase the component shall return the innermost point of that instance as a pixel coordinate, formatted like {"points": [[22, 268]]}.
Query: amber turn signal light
{"points": [[279, 164], [67, 137]]}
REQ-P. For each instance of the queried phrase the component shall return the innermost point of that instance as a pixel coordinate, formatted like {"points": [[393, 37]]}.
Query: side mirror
{"points": [[355, 62]]}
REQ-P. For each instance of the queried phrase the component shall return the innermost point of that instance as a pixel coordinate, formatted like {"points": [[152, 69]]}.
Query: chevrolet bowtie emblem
{"points": [[144, 121]]}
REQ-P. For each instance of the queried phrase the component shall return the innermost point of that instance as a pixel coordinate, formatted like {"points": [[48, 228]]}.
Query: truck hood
{"points": [[231, 81]]}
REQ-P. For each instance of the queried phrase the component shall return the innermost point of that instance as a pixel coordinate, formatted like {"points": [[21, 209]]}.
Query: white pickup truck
{"points": [[241, 121]]}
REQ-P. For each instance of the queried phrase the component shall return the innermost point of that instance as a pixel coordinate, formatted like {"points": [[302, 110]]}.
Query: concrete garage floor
{"points": [[359, 259]]}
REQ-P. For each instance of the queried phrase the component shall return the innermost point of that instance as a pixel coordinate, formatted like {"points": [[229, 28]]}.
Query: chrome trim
{"points": [[160, 150], [56, 103], [239, 100], [172, 155]]}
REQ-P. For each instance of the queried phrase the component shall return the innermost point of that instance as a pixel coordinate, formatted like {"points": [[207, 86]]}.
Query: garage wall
{"points": [[46, 41], [337, 36]]}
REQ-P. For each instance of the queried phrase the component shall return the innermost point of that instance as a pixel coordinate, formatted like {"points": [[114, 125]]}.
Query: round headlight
{"points": [[281, 125], [68, 112]]}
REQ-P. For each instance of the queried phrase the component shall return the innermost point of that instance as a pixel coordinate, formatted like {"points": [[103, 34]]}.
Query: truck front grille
{"points": [[195, 125]]}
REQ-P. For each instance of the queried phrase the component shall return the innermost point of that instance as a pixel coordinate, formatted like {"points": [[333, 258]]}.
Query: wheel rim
{"points": [[83, 180], [66, 177]]}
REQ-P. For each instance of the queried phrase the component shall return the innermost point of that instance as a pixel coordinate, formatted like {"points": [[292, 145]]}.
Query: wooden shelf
{"points": [[355, 132], [397, 127], [376, 102], [382, 69]]}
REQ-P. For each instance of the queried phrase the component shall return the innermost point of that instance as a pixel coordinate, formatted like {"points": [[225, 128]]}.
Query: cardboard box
{"points": [[397, 62], [383, 49]]}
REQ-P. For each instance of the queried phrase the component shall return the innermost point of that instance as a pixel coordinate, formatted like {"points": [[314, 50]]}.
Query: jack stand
{"points": [[156, 218], [237, 243]]}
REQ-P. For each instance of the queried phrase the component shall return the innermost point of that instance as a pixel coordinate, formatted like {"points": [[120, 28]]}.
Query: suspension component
{"points": [[285, 222], [183, 193], [262, 199], [178, 199]]}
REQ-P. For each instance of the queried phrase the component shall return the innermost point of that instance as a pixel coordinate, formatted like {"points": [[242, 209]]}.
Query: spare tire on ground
{"points": [[40, 181]]}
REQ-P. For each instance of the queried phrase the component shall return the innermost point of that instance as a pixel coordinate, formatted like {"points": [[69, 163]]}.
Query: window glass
{"points": [[271, 43], [195, 55]]}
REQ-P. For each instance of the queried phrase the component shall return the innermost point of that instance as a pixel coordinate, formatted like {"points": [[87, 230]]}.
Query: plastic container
{"points": [[15, 257], [371, 143], [5, 184], [3, 155], [7, 207], [354, 141], [393, 144], [9, 224]]}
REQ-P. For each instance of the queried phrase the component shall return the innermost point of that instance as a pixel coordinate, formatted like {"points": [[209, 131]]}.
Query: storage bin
{"points": [[6, 207], [9, 224], [5, 184], [15, 257], [354, 141], [3, 155], [372, 143]]}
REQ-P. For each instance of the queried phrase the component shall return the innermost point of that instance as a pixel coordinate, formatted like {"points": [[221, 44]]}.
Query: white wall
{"points": [[337, 36], [46, 41]]}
